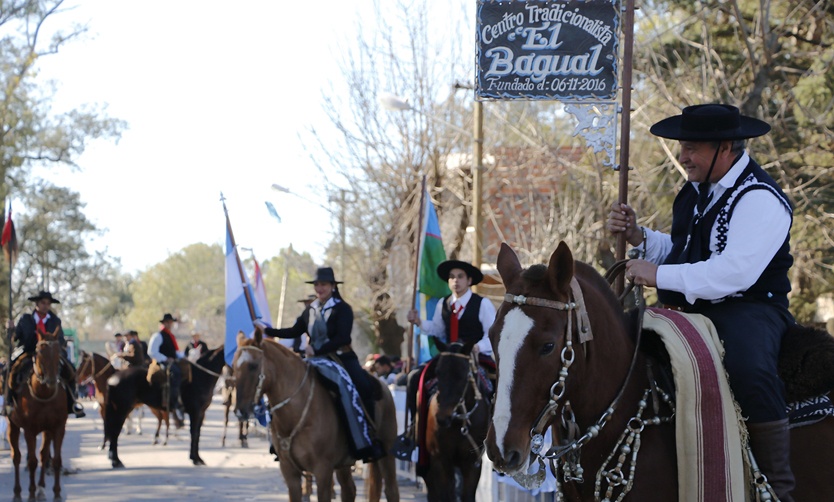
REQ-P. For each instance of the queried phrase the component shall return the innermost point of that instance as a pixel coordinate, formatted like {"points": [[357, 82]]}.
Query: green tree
{"points": [[190, 284], [298, 268], [774, 60], [30, 132]]}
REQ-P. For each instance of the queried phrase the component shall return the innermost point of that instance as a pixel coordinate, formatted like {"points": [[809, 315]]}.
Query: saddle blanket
{"points": [[707, 423], [810, 411]]}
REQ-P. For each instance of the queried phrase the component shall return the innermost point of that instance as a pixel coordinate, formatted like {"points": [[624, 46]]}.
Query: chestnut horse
{"points": [[98, 369], [40, 407], [128, 387], [540, 362], [307, 432], [458, 420]]}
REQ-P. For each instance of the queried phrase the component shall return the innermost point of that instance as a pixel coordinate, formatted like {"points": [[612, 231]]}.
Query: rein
{"points": [[285, 442], [465, 415], [93, 374], [557, 390], [40, 379]]}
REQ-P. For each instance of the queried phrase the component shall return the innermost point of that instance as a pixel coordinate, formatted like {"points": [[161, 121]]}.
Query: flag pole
{"points": [[249, 301], [420, 236]]}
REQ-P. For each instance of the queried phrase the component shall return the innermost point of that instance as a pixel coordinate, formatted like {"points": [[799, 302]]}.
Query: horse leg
{"points": [[167, 419], [196, 423], [324, 481], [31, 459], [374, 487], [46, 444], [225, 425], [57, 460], [470, 475], [14, 438], [243, 432], [345, 478], [292, 478], [113, 422], [140, 413], [388, 470]]}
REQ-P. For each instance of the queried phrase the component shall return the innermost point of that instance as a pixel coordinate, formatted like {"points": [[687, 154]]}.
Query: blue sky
{"points": [[216, 96]]}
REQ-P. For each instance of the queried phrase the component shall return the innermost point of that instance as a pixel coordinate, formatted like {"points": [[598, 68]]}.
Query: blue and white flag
{"points": [[240, 309]]}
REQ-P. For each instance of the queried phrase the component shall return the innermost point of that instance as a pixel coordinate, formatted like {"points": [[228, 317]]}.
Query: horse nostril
{"points": [[513, 460]]}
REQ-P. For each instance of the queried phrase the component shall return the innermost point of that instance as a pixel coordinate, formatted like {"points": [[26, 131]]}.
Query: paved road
{"points": [[163, 473]]}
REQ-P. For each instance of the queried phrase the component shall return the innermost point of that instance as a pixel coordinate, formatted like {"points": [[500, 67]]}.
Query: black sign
{"points": [[533, 49]]}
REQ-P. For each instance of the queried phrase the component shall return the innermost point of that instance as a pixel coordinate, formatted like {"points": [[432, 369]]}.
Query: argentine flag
{"points": [[240, 309]]}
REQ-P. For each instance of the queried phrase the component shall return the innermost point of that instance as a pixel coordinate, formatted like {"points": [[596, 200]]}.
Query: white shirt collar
{"points": [[38, 316], [327, 305], [463, 299]]}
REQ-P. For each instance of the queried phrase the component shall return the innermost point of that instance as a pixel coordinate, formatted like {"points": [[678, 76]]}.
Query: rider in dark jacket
{"points": [[43, 320]]}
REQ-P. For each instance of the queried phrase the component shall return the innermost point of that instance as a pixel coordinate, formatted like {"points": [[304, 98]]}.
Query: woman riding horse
{"points": [[328, 320]]}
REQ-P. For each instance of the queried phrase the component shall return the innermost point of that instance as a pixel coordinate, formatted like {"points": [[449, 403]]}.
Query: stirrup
{"points": [[78, 410]]}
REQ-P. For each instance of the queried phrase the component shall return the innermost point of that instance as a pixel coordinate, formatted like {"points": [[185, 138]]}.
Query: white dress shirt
{"points": [[757, 229], [437, 328]]}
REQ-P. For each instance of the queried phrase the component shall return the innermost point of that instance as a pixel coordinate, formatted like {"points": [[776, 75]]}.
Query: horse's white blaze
{"points": [[516, 327], [244, 357]]}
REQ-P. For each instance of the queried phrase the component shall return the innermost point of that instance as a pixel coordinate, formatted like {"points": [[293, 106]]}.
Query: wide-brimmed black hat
{"points": [[472, 272], [712, 122], [117, 334], [168, 317], [43, 295], [324, 274], [309, 299]]}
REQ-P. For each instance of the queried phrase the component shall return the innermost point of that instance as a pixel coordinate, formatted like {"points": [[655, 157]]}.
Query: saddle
{"points": [[159, 378]]}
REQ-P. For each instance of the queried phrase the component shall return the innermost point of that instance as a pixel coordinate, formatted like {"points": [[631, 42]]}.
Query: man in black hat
{"points": [[164, 349], [727, 257], [43, 320], [461, 317]]}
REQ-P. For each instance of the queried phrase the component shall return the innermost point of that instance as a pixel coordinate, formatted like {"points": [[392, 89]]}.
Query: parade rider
{"points": [[727, 257], [163, 348], [42, 320], [461, 317], [328, 320]]}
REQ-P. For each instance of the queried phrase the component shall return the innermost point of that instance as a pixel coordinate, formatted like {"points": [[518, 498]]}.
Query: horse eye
{"points": [[547, 349]]}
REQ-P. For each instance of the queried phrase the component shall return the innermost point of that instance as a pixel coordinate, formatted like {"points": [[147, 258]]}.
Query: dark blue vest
{"points": [[469, 325], [691, 238]]}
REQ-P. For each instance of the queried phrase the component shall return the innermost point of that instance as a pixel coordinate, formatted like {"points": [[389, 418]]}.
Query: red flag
{"points": [[9, 239]]}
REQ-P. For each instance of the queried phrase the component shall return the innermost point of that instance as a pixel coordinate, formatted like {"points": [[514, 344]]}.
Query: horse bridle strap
{"points": [[578, 304]]}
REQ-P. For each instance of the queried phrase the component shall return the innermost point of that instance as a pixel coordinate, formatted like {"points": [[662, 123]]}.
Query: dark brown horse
{"points": [[40, 406], [541, 361], [128, 387], [306, 428], [458, 420], [98, 369]]}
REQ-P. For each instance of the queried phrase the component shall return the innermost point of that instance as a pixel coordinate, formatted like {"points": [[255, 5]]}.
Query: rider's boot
{"points": [[68, 375], [771, 445]]}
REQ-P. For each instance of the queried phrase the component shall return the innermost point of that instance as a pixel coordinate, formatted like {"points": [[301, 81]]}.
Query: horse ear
{"points": [[560, 269], [508, 265], [241, 337], [259, 336], [467, 347]]}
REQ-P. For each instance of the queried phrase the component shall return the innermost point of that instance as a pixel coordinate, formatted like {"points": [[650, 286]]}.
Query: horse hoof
{"points": [[198, 461], [117, 464], [155, 442]]}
